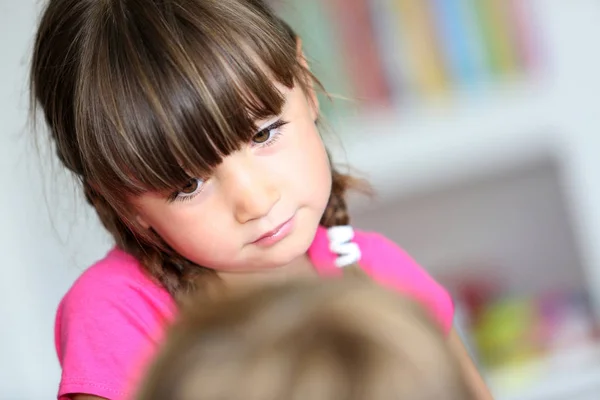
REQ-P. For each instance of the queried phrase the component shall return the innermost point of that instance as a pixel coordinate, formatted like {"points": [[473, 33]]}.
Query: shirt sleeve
{"points": [[391, 266], [105, 332]]}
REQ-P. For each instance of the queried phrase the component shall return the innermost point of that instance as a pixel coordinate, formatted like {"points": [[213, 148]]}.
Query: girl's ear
{"points": [[312, 95]]}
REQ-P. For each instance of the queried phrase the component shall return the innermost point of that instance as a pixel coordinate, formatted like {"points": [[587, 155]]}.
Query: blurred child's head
{"points": [[191, 125], [333, 340]]}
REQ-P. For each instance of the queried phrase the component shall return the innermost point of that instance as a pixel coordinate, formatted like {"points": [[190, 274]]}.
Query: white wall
{"points": [[40, 256], [577, 71]]}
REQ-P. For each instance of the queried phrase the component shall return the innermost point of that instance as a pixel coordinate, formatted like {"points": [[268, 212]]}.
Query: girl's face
{"points": [[261, 206]]}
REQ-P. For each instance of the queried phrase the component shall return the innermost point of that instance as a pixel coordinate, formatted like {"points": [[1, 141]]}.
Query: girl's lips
{"points": [[275, 235]]}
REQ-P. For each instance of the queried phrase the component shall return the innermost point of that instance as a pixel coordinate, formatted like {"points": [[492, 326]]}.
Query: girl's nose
{"points": [[250, 187]]}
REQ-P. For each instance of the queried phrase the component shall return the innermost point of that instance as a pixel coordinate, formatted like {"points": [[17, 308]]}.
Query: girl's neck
{"points": [[299, 269]]}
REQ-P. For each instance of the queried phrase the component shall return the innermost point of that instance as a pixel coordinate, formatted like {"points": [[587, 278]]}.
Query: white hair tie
{"points": [[340, 243]]}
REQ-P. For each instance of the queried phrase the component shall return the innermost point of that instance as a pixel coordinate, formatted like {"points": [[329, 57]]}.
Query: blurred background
{"points": [[476, 123]]}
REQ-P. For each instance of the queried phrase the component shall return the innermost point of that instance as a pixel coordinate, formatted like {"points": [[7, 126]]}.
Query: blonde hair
{"points": [[346, 339], [143, 95]]}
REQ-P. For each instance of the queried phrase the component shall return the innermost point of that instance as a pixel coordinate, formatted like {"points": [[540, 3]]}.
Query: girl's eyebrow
{"points": [[274, 118], [262, 123], [267, 123]]}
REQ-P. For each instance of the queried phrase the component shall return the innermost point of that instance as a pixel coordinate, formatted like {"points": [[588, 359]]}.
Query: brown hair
{"points": [[345, 339], [141, 94]]}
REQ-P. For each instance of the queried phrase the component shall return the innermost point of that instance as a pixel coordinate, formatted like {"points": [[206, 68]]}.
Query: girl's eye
{"points": [[261, 136], [191, 189], [268, 135]]}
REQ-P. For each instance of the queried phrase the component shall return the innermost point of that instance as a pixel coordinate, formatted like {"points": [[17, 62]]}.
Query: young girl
{"points": [[317, 341], [191, 125]]}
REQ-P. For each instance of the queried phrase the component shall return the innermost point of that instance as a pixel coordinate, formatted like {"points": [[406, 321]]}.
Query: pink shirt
{"points": [[114, 317]]}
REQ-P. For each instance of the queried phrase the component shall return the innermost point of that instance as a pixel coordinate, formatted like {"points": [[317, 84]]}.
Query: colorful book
{"points": [[475, 39], [525, 30], [357, 40], [494, 21], [452, 25], [394, 54], [423, 48]]}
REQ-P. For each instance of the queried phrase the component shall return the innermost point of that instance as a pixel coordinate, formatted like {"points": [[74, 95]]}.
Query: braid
{"points": [[336, 213], [179, 276]]}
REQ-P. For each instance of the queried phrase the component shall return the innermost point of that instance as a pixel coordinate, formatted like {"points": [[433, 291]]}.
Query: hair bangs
{"points": [[163, 97]]}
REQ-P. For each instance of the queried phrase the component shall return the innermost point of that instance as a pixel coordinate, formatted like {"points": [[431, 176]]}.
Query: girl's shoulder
{"points": [[109, 321], [116, 281], [387, 263]]}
